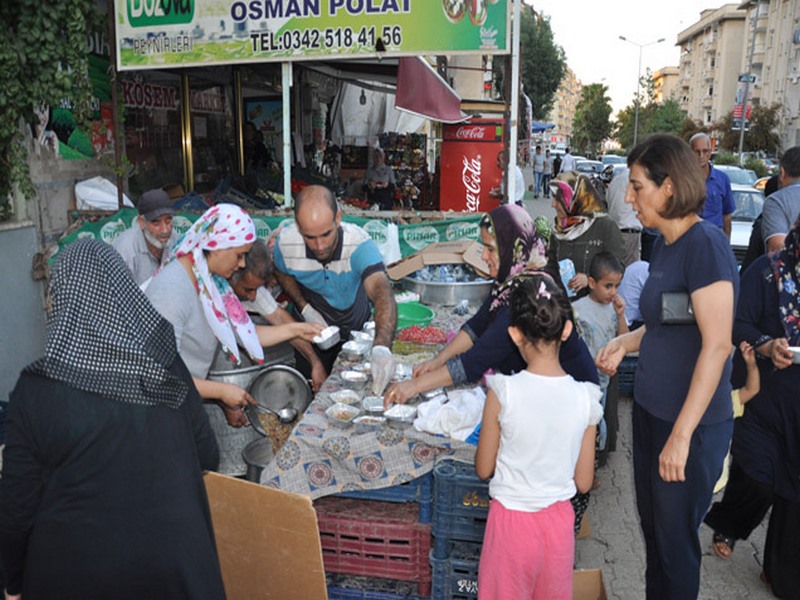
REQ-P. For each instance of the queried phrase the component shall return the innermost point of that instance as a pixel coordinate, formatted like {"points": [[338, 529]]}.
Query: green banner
{"points": [[413, 237], [162, 33]]}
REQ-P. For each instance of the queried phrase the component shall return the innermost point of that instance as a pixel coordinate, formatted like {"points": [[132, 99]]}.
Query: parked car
{"points": [[738, 175], [613, 159], [749, 204], [590, 167], [611, 171], [761, 183]]}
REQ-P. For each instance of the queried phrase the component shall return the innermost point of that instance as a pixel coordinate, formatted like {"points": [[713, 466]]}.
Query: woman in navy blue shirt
{"points": [[511, 249], [682, 415]]}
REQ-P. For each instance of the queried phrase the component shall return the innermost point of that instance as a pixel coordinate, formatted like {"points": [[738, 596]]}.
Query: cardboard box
{"points": [[268, 541], [588, 584], [443, 253], [586, 529]]}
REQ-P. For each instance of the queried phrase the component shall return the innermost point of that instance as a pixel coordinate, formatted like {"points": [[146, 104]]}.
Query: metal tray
{"points": [[448, 294]]}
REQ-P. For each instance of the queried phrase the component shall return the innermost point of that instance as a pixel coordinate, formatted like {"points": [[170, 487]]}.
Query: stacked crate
{"points": [[381, 536], [460, 511]]}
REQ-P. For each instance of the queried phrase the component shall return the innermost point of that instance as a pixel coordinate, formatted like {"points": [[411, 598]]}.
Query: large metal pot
{"points": [[257, 455], [448, 294], [278, 387], [241, 376]]}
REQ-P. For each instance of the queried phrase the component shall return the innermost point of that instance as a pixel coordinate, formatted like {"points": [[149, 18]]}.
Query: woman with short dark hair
{"points": [[682, 415]]}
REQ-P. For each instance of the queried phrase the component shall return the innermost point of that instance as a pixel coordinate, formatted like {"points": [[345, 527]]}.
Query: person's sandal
{"points": [[723, 545]]}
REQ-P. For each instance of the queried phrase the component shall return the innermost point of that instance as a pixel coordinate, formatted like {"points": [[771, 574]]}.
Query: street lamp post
{"points": [[638, 83]]}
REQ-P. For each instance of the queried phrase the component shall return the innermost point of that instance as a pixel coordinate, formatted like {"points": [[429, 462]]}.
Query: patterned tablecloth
{"points": [[321, 458]]}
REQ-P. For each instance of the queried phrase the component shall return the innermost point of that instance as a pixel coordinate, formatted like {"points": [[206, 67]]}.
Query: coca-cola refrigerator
{"points": [[468, 165]]}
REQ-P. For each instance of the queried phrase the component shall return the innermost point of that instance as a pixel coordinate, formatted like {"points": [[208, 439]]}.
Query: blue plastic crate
{"points": [[460, 505], [351, 587], [418, 490], [626, 372], [456, 577]]}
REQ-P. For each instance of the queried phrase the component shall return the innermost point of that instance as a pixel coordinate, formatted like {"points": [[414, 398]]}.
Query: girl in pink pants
{"points": [[537, 443]]}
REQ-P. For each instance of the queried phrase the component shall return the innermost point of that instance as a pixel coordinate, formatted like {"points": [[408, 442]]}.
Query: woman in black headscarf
{"points": [[765, 470], [101, 494]]}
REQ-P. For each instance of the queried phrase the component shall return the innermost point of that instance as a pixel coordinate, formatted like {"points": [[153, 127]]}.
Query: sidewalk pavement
{"points": [[616, 545]]}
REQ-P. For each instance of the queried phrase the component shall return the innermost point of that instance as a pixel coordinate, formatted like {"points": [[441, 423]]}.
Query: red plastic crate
{"points": [[376, 539]]}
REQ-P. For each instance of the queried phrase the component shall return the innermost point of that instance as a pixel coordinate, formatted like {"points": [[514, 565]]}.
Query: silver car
{"points": [[749, 204]]}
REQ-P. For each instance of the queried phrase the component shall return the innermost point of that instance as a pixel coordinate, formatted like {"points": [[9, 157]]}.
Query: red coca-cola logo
{"points": [[471, 178], [471, 133]]}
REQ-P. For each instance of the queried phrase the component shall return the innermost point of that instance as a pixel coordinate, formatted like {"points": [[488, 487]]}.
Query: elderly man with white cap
{"points": [[143, 247]]}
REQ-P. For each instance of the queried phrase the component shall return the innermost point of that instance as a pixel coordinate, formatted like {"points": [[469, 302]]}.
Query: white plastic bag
{"points": [[98, 193]]}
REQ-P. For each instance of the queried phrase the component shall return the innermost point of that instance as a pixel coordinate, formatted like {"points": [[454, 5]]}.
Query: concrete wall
{"points": [[22, 316]]}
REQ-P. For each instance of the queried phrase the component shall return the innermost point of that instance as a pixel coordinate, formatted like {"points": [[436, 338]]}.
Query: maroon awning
{"points": [[422, 91]]}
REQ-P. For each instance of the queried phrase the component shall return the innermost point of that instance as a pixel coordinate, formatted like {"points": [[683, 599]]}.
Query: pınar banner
{"points": [[166, 33]]}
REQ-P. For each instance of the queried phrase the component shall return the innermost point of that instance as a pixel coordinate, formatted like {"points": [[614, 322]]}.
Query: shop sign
{"points": [[162, 33], [138, 94]]}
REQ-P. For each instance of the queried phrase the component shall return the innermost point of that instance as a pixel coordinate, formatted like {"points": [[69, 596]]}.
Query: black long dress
{"points": [[105, 499]]}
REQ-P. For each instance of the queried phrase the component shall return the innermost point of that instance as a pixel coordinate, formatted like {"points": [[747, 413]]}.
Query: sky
{"points": [[589, 30]]}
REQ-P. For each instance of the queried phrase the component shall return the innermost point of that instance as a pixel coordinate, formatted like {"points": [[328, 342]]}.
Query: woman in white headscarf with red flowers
{"points": [[193, 294]]}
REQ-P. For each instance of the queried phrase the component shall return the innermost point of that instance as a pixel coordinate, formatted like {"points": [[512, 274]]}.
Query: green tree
{"points": [[592, 122], [542, 61], [764, 122], [43, 62], [667, 117]]}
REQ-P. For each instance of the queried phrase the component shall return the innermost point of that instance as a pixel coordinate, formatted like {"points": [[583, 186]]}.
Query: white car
{"points": [[749, 204]]}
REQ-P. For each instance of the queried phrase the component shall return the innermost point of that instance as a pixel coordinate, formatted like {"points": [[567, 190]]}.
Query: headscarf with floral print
{"points": [[581, 203], [221, 227], [519, 247], [786, 268]]}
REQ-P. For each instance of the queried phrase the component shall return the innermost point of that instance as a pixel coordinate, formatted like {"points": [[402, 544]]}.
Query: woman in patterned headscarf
{"points": [[101, 494], [193, 293], [511, 248], [582, 229]]}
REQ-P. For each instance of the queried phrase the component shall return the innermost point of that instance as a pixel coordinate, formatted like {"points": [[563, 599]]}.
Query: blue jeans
{"points": [[671, 513], [537, 182]]}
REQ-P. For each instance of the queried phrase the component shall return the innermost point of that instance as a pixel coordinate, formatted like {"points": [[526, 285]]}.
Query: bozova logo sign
{"points": [[149, 13]]}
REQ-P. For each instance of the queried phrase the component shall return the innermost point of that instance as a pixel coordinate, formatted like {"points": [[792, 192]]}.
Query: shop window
{"points": [[152, 124], [213, 139]]}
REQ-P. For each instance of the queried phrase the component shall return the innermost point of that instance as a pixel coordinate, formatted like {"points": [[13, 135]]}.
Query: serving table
{"points": [[320, 457]]}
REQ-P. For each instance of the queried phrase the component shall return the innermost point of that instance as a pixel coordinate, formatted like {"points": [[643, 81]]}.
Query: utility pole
{"points": [[747, 78]]}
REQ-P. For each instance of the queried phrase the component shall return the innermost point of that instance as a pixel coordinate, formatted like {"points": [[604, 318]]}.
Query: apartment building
{"points": [[772, 49], [666, 84], [563, 112], [710, 64]]}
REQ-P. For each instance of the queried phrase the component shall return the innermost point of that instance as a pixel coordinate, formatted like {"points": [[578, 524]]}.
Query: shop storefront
{"points": [[206, 104]]}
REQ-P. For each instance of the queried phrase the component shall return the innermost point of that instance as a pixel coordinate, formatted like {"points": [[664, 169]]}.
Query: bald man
{"points": [[333, 271]]}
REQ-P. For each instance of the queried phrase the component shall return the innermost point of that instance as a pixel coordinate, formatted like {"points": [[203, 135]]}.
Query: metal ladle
{"points": [[285, 415]]}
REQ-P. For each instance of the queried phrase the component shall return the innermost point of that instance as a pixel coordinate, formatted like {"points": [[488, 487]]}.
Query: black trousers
{"points": [[743, 506], [782, 549]]}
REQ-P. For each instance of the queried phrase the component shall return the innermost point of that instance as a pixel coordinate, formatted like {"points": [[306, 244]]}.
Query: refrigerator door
{"points": [[469, 166]]}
